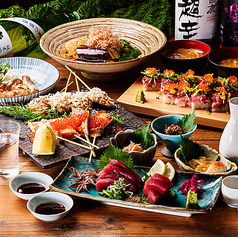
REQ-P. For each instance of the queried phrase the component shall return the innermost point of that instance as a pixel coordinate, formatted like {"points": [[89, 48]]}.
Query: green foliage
{"points": [[141, 136], [154, 12], [23, 112], [115, 153], [12, 11], [187, 122], [189, 150], [116, 191]]}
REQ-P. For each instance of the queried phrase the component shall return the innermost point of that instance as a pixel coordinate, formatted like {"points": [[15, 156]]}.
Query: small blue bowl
{"points": [[171, 142]]}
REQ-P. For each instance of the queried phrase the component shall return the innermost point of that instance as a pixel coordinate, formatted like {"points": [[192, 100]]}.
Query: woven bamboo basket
{"points": [[147, 38]]}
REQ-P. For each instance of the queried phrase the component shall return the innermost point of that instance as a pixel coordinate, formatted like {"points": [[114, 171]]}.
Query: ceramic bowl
{"points": [[147, 38], [64, 199], [31, 177], [43, 74], [171, 142], [229, 190], [139, 158], [216, 55], [182, 65], [209, 152]]}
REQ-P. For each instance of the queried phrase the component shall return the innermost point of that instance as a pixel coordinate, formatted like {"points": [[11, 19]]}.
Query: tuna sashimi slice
{"points": [[153, 184], [153, 196], [122, 165], [111, 169], [164, 179], [102, 184]]}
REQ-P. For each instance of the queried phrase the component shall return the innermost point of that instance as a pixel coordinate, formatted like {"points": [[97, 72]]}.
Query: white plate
{"points": [[42, 73]]}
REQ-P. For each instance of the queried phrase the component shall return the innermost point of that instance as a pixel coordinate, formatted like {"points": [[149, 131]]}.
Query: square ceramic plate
{"points": [[172, 206]]}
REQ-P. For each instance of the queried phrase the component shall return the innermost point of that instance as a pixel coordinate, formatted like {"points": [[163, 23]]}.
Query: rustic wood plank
{"points": [[93, 219]]}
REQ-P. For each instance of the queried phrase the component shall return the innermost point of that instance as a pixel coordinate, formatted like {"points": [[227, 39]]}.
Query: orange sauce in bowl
{"points": [[231, 62], [183, 53]]}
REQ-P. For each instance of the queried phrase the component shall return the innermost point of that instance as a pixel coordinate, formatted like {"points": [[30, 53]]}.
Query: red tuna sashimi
{"points": [[155, 184], [122, 165], [164, 179], [111, 169], [154, 196], [102, 184]]}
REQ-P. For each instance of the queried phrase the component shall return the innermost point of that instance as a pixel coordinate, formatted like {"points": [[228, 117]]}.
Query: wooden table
{"points": [[93, 219]]}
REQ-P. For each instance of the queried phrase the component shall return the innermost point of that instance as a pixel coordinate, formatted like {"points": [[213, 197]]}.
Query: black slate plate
{"points": [[66, 150]]}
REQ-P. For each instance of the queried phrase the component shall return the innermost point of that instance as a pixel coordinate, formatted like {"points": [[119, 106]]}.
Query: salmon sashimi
{"points": [[76, 124]]}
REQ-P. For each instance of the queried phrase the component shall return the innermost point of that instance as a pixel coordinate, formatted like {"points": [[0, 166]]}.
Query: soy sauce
{"points": [[29, 188], [50, 208]]}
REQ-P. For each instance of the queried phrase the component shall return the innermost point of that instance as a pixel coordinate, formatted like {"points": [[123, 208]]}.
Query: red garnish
{"points": [[168, 72], [208, 78], [193, 185], [233, 80], [203, 87], [151, 71]]}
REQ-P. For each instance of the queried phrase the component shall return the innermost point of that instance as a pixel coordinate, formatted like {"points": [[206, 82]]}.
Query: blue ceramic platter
{"points": [[42, 73], [173, 206]]}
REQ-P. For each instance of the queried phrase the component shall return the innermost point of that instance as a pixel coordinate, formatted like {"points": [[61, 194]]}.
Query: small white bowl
{"points": [[64, 199], [209, 152], [229, 190], [31, 177]]}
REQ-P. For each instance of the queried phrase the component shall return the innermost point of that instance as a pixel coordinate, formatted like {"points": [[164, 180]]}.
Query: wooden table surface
{"points": [[93, 219]]}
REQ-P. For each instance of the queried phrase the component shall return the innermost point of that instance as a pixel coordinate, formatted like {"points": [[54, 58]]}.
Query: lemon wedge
{"points": [[169, 171], [158, 167], [45, 141]]}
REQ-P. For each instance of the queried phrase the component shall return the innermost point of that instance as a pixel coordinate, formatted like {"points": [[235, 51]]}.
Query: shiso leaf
{"points": [[141, 136], [187, 122], [189, 150], [115, 153]]}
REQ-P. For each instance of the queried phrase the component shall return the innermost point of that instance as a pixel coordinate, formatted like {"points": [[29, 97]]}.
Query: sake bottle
{"points": [[19, 36]]}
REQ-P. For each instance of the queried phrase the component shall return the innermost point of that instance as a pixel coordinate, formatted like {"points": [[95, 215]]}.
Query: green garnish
{"points": [[140, 96], [128, 52], [115, 153], [141, 136], [187, 122], [23, 112], [189, 150], [116, 191], [3, 70], [117, 118]]}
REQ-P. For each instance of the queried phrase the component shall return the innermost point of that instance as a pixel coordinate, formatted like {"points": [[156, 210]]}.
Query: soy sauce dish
{"points": [[28, 185], [50, 206]]}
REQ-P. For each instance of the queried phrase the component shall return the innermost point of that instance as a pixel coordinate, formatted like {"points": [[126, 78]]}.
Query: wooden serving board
{"points": [[67, 150], [154, 107]]}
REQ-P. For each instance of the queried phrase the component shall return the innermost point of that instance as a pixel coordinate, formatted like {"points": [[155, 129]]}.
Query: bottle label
{"points": [[196, 19], [228, 15], [31, 25], [6, 49]]}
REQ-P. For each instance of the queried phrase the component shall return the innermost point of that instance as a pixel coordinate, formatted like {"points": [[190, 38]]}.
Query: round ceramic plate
{"points": [[147, 38], [43, 74]]}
